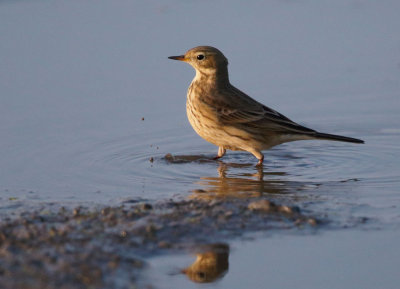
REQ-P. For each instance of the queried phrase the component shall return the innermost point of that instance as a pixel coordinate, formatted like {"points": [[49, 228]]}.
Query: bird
{"points": [[230, 119]]}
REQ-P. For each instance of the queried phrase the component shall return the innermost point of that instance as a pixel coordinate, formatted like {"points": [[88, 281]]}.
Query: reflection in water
{"points": [[250, 181], [211, 263], [251, 184]]}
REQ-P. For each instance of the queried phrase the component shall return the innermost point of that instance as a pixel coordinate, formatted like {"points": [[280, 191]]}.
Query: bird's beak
{"points": [[180, 57]]}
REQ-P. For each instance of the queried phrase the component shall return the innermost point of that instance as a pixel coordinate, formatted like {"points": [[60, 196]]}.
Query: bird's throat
{"points": [[212, 78]]}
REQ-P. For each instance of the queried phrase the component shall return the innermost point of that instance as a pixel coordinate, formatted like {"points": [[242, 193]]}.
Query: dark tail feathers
{"points": [[328, 136]]}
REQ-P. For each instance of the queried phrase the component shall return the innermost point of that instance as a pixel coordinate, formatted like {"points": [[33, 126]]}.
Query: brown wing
{"points": [[239, 108]]}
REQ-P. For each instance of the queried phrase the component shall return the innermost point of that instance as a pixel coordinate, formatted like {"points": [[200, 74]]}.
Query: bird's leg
{"points": [[221, 153], [260, 161], [259, 156]]}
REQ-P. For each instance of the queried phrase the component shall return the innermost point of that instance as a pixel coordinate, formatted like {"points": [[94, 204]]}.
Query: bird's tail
{"points": [[327, 136]]}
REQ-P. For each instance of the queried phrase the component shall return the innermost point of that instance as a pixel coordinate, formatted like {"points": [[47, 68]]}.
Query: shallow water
{"points": [[76, 79], [357, 259]]}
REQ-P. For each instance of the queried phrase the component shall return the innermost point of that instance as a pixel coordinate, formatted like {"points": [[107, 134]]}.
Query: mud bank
{"points": [[106, 247]]}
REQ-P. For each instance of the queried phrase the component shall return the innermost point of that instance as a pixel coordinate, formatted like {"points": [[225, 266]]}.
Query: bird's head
{"points": [[205, 59]]}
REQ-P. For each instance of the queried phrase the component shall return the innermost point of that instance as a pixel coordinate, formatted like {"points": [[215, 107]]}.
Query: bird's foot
{"points": [[260, 161], [221, 153]]}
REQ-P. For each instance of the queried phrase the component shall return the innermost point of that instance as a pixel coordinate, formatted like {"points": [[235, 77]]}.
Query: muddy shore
{"points": [[107, 247]]}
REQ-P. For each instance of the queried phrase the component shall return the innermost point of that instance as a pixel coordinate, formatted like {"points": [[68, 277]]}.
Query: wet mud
{"points": [[107, 247]]}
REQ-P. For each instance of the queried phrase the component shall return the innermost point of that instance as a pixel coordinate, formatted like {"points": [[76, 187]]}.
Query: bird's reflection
{"points": [[210, 265], [252, 183], [238, 179]]}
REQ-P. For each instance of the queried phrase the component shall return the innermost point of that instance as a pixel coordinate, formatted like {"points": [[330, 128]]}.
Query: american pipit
{"points": [[225, 116]]}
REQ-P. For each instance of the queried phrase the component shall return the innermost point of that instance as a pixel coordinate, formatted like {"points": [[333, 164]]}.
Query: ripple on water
{"points": [[123, 165]]}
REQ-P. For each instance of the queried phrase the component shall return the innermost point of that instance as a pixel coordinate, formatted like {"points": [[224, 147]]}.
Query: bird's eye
{"points": [[200, 57]]}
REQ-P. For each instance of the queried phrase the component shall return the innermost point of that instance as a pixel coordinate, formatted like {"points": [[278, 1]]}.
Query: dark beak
{"points": [[180, 57]]}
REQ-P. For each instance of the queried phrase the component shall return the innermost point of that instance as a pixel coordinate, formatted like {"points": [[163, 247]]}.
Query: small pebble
{"points": [[262, 205], [146, 206], [312, 222], [105, 211], [286, 209], [113, 264], [298, 222], [169, 157], [76, 212], [214, 203], [164, 245], [52, 232], [151, 229], [296, 209]]}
